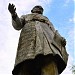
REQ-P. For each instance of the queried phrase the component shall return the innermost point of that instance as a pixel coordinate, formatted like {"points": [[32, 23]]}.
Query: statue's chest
{"points": [[34, 17]]}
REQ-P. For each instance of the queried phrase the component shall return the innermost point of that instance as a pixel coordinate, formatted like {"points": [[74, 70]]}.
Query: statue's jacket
{"points": [[38, 36]]}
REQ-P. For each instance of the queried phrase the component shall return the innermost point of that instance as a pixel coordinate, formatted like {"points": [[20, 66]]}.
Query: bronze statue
{"points": [[41, 49]]}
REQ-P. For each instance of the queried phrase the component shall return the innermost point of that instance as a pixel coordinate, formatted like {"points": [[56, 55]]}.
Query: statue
{"points": [[41, 49]]}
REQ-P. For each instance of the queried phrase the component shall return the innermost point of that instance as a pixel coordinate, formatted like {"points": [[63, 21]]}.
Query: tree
{"points": [[73, 69]]}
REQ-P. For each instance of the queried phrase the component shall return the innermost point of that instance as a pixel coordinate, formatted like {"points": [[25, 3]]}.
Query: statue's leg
{"points": [[50, 69], [23, 71], [27, 68]]}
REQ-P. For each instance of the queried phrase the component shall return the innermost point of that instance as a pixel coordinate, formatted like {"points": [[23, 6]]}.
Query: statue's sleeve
{"points": [[18, 23], [50, 24], [58, 39], [52, 27]]}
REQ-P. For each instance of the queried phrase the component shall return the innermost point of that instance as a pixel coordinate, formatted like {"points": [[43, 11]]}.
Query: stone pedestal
{"points": [[50, 69]]}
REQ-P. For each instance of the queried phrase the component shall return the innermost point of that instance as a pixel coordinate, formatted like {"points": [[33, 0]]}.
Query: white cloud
{"points": [[72, 20], [67, 2], [5, 74]]}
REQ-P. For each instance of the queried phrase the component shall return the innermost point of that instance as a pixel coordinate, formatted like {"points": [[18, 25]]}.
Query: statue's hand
{"points": [[11, 8], [63, 42]]}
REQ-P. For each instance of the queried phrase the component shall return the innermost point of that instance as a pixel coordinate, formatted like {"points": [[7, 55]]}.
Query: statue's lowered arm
{"points": [[16, 21]]}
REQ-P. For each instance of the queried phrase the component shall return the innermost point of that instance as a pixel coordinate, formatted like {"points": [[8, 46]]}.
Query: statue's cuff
{"points": [[14, 16]]}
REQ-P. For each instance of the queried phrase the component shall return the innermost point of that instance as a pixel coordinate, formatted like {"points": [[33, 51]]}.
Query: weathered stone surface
{"points": [[38, 36], [50, 69], [33, 39]]}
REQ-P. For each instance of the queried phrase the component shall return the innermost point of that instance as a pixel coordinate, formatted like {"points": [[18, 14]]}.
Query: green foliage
{"points": [[73, 69]]}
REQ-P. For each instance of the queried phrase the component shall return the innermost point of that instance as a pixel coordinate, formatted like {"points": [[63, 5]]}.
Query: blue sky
{"points": [[59, 12]]}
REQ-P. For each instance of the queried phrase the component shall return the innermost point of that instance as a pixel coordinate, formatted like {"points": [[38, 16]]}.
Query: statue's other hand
{"points": [[11, 8], [63, 41]]}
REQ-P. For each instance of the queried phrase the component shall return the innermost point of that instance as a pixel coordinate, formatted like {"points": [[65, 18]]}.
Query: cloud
{"points": [[72, 20], [67, 3]]}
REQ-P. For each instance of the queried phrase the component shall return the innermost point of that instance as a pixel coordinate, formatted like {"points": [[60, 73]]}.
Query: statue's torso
{"points": [[36, 38], [32, 40]]}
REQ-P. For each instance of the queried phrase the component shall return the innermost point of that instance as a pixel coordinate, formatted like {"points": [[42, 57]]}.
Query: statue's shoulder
{"points": [[46, 17], [29, 15], [35, 15]]}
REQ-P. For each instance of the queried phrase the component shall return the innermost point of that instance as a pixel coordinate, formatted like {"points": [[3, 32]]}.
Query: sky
{"points": [[60, 13]]}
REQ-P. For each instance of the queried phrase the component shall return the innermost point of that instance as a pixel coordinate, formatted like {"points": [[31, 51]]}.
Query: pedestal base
{"points": [[50, 69]]}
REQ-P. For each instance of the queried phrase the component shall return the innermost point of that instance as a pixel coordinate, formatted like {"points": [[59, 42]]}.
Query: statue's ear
{"points": [[32, 11]]}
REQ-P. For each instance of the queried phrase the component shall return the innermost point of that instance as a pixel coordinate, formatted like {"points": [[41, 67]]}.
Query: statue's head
{"points": [[37, 9]]}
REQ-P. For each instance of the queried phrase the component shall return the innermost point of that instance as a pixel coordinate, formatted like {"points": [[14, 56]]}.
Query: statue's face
{"points": [[37, 10]]}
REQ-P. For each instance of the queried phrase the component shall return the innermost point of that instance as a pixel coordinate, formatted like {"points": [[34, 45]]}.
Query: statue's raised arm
{"points": [[16, 21]]}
